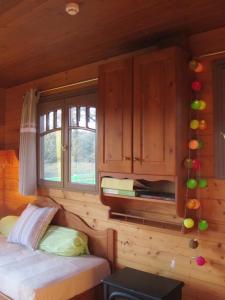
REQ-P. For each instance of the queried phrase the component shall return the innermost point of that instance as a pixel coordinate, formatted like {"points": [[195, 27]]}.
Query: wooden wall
{"points": [[139, 246]]}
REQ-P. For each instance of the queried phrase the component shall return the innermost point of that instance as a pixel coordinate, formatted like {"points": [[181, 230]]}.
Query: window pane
{"points": [[82, 157], [92, 118], [51, 147], [58, 118], [82, 119], [51, 120], [43, 123], [73, 116]]}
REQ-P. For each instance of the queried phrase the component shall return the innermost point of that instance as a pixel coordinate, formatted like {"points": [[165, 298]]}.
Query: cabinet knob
{"points": [[136, 158], [127, 158]]}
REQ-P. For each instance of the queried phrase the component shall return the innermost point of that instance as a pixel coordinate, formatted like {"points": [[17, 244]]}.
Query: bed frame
{"points": [[100, 242]]}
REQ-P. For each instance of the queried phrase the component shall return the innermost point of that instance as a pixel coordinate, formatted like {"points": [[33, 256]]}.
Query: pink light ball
{"points": [[196, 164], [200, 261], [196, 86]]}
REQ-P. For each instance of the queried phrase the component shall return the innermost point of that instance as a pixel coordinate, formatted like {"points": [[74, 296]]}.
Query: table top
{"points": [[143, 283]]}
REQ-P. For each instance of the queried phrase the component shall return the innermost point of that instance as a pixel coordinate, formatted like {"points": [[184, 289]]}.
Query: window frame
{"points": [[64, 101]]}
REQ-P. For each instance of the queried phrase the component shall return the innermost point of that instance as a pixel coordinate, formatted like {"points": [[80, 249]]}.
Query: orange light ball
{"points": [[202, 124], [193, 144], [193, 204], [199, 68]]}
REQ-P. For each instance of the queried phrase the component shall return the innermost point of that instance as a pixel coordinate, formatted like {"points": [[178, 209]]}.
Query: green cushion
{"points": [[6, 224], [64, 241]]}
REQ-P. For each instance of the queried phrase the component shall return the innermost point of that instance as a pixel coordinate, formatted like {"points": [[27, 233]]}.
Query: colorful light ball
{"points": [[202, 183], [203, 225], [195, 105], [193, 244], [194, 124], [191, 183], [196, 86], [193, 144], [193, 64], [200, 144], [188, 163], [202, 105], [200, 261], [189, 223], [196, 164], [199, 68], [193, 204], [202, 124]]}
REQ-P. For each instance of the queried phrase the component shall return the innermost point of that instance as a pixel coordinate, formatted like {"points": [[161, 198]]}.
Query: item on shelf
{"points": [[156, 195], [119, 192], [115, 183]]}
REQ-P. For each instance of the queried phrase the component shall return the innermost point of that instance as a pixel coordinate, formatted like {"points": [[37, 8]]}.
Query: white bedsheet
{"points": [[28, 275]]}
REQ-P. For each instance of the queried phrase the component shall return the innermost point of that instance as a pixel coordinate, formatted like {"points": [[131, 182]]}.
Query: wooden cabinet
{"points": [[143, 118], [138, 110]]}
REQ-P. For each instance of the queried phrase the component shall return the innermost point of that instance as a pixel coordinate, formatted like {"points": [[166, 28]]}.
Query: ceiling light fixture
{"points": [[72, 8]]}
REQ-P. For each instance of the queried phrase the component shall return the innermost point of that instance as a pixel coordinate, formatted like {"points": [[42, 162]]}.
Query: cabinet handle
{"points": [[137, 159], [123, 295], [127, 158]]}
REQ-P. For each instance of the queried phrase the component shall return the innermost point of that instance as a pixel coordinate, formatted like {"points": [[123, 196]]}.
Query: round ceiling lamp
{"points": [[72, 8]]}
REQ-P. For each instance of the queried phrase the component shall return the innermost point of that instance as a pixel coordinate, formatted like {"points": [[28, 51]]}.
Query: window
{"points": [[67, 142]]}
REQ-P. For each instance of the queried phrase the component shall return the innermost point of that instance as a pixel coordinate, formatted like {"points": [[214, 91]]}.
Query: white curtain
{"points": [[27, 151]]}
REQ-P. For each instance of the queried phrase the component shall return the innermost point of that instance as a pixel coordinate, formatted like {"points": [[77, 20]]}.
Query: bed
{"points": [[53, 277]]}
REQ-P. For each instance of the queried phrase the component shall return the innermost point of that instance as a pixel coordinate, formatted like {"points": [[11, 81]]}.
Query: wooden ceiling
{"points": [[37, 37]]}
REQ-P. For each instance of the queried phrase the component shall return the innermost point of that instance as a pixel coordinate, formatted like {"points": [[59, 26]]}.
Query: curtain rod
{"points": [[70, 85], [210, 54]]}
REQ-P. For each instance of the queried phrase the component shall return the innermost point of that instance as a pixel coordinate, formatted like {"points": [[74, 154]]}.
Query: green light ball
{"points": [[192, 183], [189, 223], [203, 225], [196, 104], [202, 183]]}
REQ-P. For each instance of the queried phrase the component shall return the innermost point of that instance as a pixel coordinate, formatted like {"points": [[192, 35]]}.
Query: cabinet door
{"points": [[115, 116], [154, 113]]}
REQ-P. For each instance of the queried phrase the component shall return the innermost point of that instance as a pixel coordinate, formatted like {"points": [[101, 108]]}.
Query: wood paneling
{"points": [[139, 246], [31, 47]]}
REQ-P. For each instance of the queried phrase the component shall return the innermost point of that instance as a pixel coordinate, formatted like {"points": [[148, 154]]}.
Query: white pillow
{"points": [[31, 225]]}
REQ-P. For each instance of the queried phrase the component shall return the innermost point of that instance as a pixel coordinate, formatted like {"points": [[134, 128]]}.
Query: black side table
{"points": [[131, 284]]}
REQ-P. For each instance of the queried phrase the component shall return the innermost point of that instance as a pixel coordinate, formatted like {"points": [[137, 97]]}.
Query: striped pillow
{"points": [[31, 225]]}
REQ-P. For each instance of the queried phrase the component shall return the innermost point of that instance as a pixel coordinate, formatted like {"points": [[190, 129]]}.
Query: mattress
{"points": [[27, 274]]}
